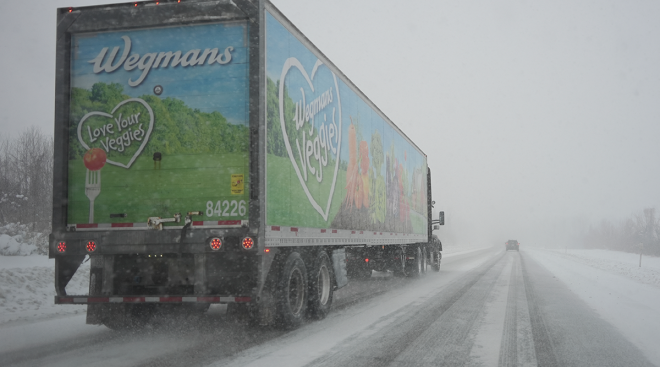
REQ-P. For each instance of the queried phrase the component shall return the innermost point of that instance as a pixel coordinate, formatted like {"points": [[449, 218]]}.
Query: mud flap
{"points": [[265, 309], [339, 265], [65, 267], [95, 311]]}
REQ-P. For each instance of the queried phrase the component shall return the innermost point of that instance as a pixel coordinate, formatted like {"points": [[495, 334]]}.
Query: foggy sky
{"points": [[537, 118]]}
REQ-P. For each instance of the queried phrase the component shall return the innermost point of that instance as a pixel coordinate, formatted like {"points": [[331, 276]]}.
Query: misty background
{"points": [[540, 120]]}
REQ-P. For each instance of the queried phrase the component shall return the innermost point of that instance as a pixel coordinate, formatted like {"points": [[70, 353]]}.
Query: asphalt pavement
{"points": [[485, 308]]}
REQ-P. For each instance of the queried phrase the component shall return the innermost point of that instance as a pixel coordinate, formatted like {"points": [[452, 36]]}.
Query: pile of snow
{"points": [[18, 240], [27, 288], [621, 263]]}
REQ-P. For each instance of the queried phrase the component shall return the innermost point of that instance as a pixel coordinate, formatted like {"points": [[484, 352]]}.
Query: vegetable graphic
{"points": [[353, 179], [364, 167], [377, 181], [377, 187], [357, 173], [95, 159], [352, 147]]}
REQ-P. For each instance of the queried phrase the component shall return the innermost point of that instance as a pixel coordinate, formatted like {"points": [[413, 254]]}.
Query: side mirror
{"points": [[441, 219]]}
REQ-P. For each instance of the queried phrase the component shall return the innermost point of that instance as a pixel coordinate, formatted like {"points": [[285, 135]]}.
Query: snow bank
{"points": [[621, 263], [18, 240], [27, 289]]}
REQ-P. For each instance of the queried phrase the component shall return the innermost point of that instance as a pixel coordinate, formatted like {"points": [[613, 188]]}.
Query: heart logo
{"points": [[117, 133], [317, 139]]}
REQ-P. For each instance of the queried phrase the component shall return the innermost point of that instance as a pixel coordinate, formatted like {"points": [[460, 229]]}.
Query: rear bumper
{"points": [[82, 300]]}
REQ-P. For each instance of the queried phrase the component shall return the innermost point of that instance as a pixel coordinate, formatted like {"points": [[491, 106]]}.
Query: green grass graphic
{"points": [[184, 182], [288, 204]]}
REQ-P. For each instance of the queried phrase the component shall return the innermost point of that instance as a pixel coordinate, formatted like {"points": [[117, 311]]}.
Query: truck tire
{"points": [[416, 265], [291, 293], [425, 259], [320, 286], [435, 260]]}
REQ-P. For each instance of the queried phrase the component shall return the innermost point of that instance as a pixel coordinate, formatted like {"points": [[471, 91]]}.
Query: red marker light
{"points": [[267, 250], [366, 260], [247, 243], [91, 246], [136, 4], [215, 244], [61, 247], [70, 10]]}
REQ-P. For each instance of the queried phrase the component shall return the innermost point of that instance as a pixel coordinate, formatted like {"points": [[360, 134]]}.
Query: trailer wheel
{"points": [[291, 292], [320, 286]]}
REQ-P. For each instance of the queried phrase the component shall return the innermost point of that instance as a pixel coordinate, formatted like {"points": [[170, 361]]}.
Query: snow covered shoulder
{"points": [[613, 284]]}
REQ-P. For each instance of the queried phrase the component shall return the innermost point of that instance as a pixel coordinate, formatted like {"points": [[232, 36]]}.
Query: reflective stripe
{"points": [[151, 299]]}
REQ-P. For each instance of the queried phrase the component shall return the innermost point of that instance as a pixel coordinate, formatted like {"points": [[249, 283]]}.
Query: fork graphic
{"points": [[92, 190]]}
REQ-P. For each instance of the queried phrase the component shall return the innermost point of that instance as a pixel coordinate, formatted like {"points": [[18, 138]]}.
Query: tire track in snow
{"points": [[433, 333]]}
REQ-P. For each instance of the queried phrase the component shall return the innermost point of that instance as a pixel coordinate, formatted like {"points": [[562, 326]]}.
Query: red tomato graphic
{"points": [[94, 159]]}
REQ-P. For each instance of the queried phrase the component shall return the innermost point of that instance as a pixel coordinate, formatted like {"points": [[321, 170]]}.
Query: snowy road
{"points": [[484, 308]]}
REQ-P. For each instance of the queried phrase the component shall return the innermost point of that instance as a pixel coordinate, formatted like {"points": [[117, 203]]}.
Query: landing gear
{"points": [[400, 263]]}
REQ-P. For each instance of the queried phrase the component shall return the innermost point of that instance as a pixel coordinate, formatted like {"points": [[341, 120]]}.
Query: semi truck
{"points": [[207, 152]]}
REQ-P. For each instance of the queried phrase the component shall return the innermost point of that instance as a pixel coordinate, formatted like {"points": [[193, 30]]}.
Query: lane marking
{"points": [[488, 339]]}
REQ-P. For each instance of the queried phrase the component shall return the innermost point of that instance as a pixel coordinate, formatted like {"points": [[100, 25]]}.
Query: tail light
{"points": [[215, 243], [247, 243], [61, 247], [90, 246]]}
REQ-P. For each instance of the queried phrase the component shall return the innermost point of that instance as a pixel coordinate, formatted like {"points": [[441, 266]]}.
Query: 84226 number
{"points": [[226, 208]]}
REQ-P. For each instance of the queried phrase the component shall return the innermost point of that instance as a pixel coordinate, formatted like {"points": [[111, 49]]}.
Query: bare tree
{"points": [[26, 174]]}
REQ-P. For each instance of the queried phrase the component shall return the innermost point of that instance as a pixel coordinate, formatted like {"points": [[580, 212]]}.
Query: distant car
{"points": [[512, 245]]}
